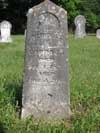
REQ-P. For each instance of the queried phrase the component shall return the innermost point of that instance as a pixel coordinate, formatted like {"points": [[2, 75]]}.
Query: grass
{"points": [[84, 62]]}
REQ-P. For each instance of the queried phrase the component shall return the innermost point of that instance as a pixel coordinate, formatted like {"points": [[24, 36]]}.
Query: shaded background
{"points": [[15, 11]]}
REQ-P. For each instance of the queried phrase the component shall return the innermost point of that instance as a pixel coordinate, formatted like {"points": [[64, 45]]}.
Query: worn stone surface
{"points": [[5, 29], [98, 33], [80, 22], [46, 86], [25, 33]]}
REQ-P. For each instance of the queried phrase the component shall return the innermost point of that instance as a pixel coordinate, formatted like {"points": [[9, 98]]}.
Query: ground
{"points": [[84, 62]]}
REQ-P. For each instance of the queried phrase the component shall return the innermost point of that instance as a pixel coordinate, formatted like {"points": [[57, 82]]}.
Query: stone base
{"points": [[59, 113], [6, 40], [79, 36], [98, 37]]}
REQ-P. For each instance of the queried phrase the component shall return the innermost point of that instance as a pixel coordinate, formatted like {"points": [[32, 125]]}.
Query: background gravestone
{"points": [[98, 33], [46, 86], [25, 33], [80, 22], [5, 29]]}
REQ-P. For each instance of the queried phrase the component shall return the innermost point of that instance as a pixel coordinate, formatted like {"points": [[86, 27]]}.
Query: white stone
{"points": [[53, 7], [30, 11], [80, 22], [98, 33], [25, 33], [5, 29]]}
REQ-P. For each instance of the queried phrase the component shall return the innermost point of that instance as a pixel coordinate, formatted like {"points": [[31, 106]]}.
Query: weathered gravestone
{"points": [[25, 33], [5, 29], [46, 85], [98, 33], [80, 22]]}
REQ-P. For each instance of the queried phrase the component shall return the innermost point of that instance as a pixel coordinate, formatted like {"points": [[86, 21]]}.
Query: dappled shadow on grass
{"points": [[2, 128], [14, 92]]}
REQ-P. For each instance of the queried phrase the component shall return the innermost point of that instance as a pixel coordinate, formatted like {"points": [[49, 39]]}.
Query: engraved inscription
{"points": [[46, 85]]}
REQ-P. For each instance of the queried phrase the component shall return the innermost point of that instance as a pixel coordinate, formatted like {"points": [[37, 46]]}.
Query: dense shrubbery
{"points": [[15, 11]]}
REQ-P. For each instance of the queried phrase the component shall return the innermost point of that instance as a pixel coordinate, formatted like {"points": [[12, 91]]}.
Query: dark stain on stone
{"points": [[48, 112], [50, 95]]}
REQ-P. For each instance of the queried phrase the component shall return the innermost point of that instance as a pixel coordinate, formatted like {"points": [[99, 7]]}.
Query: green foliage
{"points": [[72, 8], [91, 9], [91, 21], [84, 80]]}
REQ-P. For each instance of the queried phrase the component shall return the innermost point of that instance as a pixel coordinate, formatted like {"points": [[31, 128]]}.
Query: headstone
{"points": [[5, 29], [30, 10], [46, 91], [25, 33], [98, 33], [80, 22]]}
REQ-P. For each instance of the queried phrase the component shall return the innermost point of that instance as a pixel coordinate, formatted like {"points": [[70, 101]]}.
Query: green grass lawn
{"points": [[84, 62]]}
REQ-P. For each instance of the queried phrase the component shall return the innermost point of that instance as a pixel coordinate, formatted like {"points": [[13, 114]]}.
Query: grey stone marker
{"points": [[5, 29], [98, 33], [80, 22], [46, 91], [25, 33]]}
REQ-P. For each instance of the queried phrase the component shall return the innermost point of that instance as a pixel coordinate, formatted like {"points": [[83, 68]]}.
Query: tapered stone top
{"points": [[46, 84], [50, 7]]}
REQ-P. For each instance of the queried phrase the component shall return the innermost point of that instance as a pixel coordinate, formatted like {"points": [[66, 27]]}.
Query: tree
{"points": [[91, 9], [15, 12]]}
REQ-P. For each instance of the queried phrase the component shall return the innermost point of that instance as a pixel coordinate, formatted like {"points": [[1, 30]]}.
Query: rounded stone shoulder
{"points": [[79, 19], [5, 24], [98, 31], [30, 11]]}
